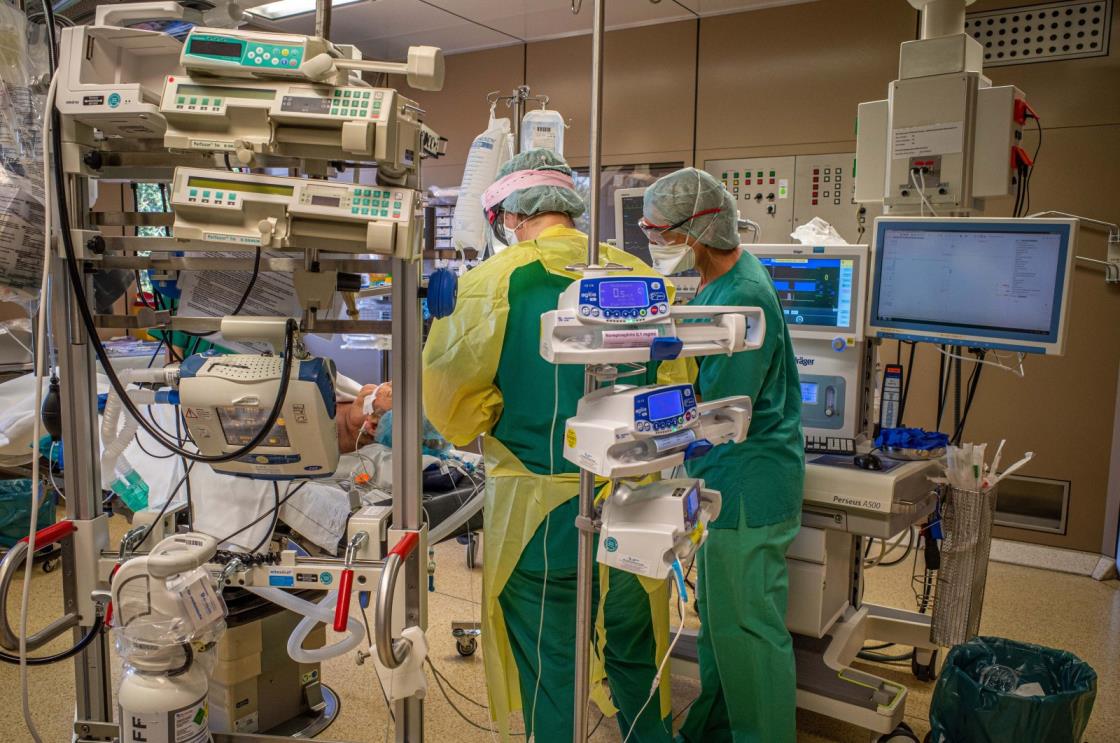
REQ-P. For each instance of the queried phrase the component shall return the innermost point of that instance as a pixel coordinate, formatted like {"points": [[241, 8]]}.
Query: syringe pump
{"points": [[279, 213], [246, 53], [646, 529], [622, 319], [626, 431], [292, 119]]}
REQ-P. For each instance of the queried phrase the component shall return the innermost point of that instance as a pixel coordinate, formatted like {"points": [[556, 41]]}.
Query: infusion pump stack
{"points": [[822, 290]]}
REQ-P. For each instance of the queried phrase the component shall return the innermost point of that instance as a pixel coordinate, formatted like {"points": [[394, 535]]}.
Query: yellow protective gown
{"points": [[468, 358]]}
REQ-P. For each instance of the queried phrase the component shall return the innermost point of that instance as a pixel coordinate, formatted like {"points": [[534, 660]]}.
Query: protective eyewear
{"points": [[657, 233]]}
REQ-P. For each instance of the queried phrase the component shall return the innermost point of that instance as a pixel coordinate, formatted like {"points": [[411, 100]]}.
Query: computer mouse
{"points": [[867, 461]]}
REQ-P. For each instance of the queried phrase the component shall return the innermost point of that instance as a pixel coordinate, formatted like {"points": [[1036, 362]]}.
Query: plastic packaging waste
{"points": [[489, 150], [817, 232], [543, 129]]}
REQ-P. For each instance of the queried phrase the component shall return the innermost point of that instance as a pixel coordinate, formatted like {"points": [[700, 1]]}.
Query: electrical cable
{"points": [[973, 383], [241, 302], [909, 376], [46, 660], [459, 712], [37, 363], [384, 695], [921, 192], [660, 668], [275, 519], [264, 515], [1034, 163], [166, 503]]}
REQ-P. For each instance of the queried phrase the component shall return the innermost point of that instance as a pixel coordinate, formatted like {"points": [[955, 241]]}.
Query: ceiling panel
{"points": [[719, 7], [386, 28], [401, 23], [541, 19]]}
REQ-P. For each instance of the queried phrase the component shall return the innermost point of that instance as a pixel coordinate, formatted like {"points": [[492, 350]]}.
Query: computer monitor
{"points": [[975, 282], [822, 288], [629, 236]]}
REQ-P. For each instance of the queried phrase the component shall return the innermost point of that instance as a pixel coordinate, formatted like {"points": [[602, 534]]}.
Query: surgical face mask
{"points": [[508, 235], [672, 259]]}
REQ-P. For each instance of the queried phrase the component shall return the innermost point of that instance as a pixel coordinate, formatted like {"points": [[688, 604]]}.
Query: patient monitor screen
{"points": [[240, 423], [814, 291], [969, 282]]}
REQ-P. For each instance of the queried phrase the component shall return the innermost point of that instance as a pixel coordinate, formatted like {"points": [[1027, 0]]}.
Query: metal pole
{"points": [[323, 18], [405, 363], [82, 478], [587, 479]]}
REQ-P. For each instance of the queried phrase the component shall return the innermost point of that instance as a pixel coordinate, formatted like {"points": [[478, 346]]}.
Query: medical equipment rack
{"points": [[86, 160]]}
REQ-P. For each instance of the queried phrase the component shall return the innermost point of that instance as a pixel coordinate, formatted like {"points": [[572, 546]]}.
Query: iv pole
{"points": [[587, 479]]}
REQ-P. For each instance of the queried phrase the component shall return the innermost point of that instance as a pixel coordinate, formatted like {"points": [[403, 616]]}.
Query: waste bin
{"points": [[993, 690], [15, 511]]}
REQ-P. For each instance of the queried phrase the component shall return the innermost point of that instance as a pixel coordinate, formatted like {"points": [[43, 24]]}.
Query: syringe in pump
{"points": [[621, 319], [625, 431]]}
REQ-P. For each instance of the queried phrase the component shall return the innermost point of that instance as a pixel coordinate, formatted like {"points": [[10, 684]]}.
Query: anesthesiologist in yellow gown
{"points": [[484, 375], [748, 687]]}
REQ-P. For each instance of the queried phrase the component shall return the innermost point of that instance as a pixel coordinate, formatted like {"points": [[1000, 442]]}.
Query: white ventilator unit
{"points": [[619, 319], [280, 212], [625, 431], [226, 400], [646, 529]]}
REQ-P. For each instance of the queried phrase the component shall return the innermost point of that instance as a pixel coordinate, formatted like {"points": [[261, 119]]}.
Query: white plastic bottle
{"points": [[157, 708], [543, 129], [488, 151]]}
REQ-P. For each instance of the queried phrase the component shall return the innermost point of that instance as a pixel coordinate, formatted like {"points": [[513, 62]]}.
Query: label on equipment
{"points": [[636, 338], [783, 188], [93, 100], [930, 139], [674, 440], [183, 725], [200, 602]]}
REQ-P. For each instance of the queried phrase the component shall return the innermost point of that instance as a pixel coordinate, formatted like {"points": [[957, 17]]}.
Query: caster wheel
{"points": [[472, 551], [467, 647], [924, 671], [901, 734], [49, 566]]}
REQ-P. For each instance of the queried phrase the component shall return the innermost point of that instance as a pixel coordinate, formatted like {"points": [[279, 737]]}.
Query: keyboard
{"points": [[830, 445]]}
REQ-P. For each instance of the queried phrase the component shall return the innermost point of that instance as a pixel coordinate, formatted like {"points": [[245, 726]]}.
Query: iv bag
{"points": [[543, 129], [488, 151]]}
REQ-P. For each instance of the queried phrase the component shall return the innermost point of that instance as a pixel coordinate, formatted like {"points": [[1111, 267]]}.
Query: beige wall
{"points": [[786, 80]]}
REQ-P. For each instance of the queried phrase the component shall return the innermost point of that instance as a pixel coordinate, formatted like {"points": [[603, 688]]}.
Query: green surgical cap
{"points": [[679, 195], [539, 199]]}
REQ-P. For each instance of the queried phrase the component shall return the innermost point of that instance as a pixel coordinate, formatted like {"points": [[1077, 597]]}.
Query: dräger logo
{"points": [[805, 361]]}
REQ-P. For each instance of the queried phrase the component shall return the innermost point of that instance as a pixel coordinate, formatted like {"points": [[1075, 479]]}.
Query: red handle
{"points": [[404, 547], [342, 608], [52, 533]]}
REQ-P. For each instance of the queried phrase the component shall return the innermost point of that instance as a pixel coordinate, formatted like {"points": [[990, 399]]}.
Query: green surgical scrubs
{"points": [[748, 685]]}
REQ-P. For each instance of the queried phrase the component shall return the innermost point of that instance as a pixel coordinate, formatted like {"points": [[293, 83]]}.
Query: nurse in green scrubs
{"points": [[748, 687]]}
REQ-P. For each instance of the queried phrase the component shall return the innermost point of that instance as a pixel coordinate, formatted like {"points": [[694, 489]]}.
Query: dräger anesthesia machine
{"points": [[133, 105]]}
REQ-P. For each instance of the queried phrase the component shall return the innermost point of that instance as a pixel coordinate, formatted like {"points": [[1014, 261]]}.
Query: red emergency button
{"points": [[653, 310]]}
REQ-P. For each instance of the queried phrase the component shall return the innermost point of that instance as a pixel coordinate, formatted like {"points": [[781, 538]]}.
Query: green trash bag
{"points": [[15, 511], [993, 690]]}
